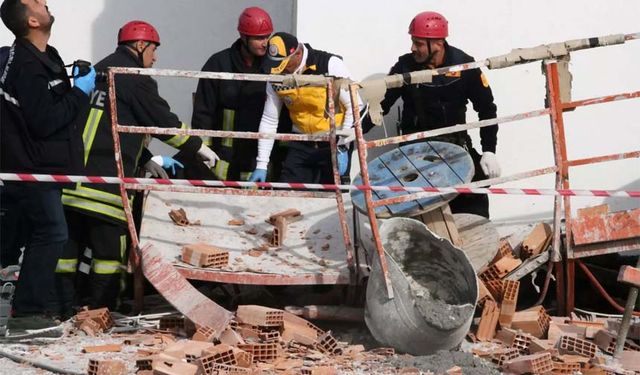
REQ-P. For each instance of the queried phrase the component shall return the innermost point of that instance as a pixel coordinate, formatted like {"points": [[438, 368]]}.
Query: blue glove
{"points": [[259, 175], [87, 82], [167, 163], [171, 163], [343, 160]]}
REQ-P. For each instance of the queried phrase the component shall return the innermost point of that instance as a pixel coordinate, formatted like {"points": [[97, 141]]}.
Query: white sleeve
{"points": [[337, 68], [268, 124]]}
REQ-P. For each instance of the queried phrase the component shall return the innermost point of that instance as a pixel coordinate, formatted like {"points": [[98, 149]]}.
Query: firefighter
{"points": [[235, 105], [308, 162], [40, 133], [94, 212], [443, 102]]}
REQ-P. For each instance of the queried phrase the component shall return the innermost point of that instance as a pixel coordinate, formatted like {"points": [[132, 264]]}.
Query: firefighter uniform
{"points": [[97, 218], [230, 105], [442, 103]]}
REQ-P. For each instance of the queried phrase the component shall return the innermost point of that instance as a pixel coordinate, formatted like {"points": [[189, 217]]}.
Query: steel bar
{"points": [[223, 134], [342, 214], [456, 128], [233, 191], [368, 196], [602, 99], [604, 158]]}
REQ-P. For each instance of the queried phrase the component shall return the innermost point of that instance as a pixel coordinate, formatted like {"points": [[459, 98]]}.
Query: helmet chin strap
{"points": [[431, 54]]}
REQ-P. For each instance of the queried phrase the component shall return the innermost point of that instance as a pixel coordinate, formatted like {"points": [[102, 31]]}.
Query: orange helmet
{"points": [[255, 21], [431, 25], [138, 30]]}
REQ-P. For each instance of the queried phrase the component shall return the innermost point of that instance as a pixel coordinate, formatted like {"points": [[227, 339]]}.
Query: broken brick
{"points": [[289, 215], [179, 217], [534, 321], [488, 321], [106, 367], [102, 348], [540, 363], [267, 352], [573, 345], [534, 243], [173, 368], [101, 316]]}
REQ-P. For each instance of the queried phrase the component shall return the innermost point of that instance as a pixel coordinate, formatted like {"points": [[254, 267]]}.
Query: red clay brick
{"points": [[488, 321], [534, 321], [205, 255], [106, 367], [260, 316], [267, 352], [101, 316], [629, 275], [534, 243], [573, 345], [509, 302], [540, 363]]}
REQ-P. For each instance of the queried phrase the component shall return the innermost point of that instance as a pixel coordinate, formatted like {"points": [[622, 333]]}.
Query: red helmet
{"points": [[138, 30], [255, 21], [431, 25]]}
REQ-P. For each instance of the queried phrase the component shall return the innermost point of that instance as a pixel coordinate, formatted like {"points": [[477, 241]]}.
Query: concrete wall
{"points": [[371, 34]]}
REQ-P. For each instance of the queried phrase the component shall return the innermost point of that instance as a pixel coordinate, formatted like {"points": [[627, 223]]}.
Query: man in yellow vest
{"points": [[308, 162]]}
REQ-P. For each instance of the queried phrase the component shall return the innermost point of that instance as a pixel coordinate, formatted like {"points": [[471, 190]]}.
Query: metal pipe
{"points": [[456, 128], [368, 196], [134, 259], [600, 289], [231, 191], [342, 215], [38, 364], [322, 137], [547, 281], [626, 320], [604, 158], [602, 99]]}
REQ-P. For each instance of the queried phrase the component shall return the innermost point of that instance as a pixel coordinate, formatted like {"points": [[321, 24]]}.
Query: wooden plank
{"points": [[405, 174]]}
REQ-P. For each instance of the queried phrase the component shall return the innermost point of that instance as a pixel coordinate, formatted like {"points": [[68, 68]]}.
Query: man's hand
{"points": [[167, 163], [343, 160], [489, 164], [87, 82], [210, 157], [259, 175], [155, 169]]}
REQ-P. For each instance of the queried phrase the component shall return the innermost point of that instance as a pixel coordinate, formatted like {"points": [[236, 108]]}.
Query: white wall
{"points": [[371, 34]]}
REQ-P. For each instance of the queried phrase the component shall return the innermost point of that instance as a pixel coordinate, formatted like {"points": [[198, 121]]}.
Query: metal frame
{"points": [[555, 108], [240, 277]]}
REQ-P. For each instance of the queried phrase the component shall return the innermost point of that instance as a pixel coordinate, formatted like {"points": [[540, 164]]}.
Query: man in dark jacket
{"points": [[39, 134], [235, 105], [443, 102], [95, 212]]}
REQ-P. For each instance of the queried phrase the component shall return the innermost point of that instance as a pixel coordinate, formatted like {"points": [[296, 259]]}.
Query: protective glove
{"points": [[210, 157], [167, 163], [489, 164], [259, 175], [343, 160], [155, 169], [87, 82]]}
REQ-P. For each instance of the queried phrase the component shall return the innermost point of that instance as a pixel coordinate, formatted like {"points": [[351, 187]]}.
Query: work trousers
{"points": [[108, 244], [477, 204], [41, 207], [13, 231], [308, 162]]}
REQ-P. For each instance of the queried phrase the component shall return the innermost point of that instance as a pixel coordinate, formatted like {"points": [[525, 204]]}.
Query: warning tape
{"points": [[301, 186]]}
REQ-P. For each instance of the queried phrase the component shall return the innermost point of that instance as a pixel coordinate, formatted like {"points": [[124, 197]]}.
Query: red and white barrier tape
{"points": [[300, 186]]}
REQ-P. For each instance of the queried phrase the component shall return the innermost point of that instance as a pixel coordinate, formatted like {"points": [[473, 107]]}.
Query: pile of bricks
{"points": [[530, 341], [259, 340]]}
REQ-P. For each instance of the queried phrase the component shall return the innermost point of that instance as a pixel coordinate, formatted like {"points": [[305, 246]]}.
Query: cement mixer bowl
{"points": [[435, 289]]}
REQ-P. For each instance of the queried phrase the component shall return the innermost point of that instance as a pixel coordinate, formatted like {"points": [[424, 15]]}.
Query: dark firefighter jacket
{"points": [[138, 104], [40, 113], [231, 105], [443, 102]]}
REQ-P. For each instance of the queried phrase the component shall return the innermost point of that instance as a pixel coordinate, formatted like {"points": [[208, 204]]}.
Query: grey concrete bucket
{"points": [[435, 291]]}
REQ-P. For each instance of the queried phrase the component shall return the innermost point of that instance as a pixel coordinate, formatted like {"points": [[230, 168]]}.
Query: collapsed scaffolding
{"points": [[558, 100]]}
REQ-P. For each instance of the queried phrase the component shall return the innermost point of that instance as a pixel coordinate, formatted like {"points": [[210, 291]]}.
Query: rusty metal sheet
{"points": [[181, 294], [608, 227], [313, 252]]}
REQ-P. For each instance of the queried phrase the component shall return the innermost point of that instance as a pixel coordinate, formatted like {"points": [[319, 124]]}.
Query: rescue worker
{"points": [[235, 105], [308, 162], [94, 212], [443, 102], [40, 133]]}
